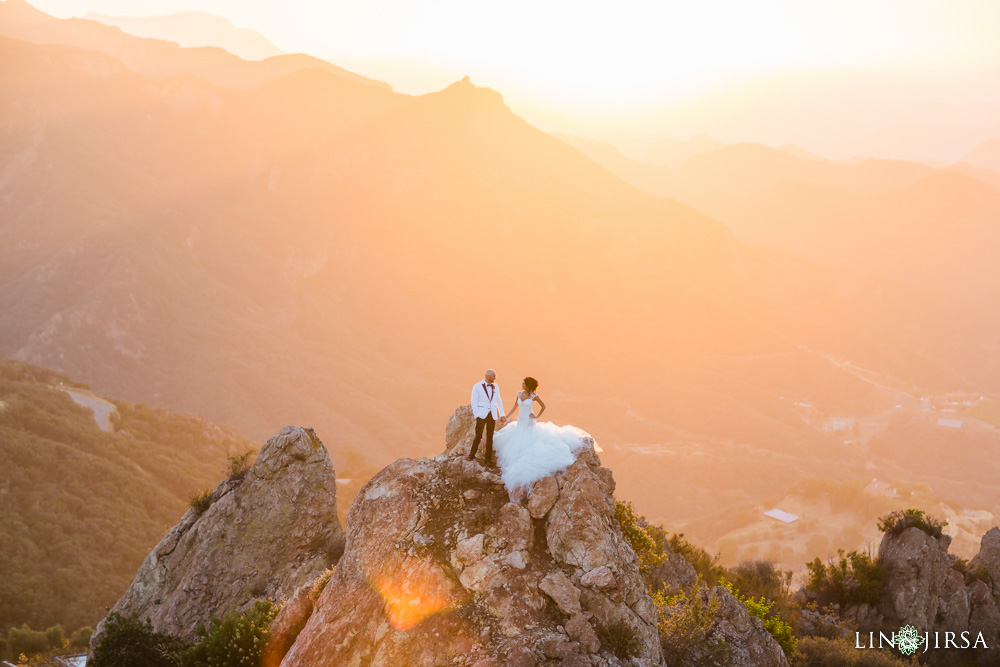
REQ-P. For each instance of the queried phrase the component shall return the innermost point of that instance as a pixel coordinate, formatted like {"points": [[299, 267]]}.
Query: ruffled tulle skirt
{"points": [[527, 453]]}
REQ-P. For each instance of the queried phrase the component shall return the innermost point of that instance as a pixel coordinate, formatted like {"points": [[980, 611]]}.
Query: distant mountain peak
{"points": [[469, 92]]}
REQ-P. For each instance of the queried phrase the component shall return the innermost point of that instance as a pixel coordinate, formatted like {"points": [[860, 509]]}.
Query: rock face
{"points": [[750, 645], [439, 567], [926, 587], [917, 577], [264, 534]]}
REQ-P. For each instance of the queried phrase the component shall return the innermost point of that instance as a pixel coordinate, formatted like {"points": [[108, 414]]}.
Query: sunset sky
{"points": [[899, 79], [573, 52]]}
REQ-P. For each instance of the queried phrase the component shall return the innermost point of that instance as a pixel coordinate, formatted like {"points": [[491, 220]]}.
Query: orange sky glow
{"points": [[564, 54]]}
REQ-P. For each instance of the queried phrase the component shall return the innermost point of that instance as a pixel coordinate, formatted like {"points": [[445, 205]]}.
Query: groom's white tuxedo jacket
{"points": [[486, 399]]}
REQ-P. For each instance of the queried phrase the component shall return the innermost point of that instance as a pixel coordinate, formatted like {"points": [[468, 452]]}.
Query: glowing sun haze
{"points": [[559, 54]]}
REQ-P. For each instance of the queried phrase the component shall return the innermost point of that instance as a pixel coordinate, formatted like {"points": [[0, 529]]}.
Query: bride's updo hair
{"points": [[530, 383]]}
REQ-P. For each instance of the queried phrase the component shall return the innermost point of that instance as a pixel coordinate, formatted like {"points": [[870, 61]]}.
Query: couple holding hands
{"points": [[527, 450]]}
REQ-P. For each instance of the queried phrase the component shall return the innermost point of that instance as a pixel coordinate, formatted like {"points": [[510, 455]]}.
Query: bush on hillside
{"points": [[27, 641], [239, 465], [201, 501], [896, 522], [685, 623], [854, 577], [762, 608], [236, 640], [822, 652], [621, 639], [641, 536], [706, 565], [127, 642], [760, 579], [81, 638]]}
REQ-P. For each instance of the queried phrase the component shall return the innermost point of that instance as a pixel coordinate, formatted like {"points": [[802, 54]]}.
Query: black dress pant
{"points": [[490, 424]]}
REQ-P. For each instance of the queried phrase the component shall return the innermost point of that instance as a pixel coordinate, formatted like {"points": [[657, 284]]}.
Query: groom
{"points": [[487, 406]]}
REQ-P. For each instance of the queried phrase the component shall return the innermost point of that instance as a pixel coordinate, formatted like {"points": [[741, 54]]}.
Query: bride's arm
{"points": [[512, 410], [539, 399]]}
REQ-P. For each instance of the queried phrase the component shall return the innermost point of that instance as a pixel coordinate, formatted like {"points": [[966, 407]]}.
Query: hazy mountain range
{"points": [[195, 29], [933, 228], [284, 242]]}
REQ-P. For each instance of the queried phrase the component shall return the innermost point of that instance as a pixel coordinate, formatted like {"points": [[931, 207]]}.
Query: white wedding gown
{"points": [[528, 451]]}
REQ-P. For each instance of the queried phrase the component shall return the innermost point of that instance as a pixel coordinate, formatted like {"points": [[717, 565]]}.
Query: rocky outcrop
{"points": [[440, 568], [928, 588], [748, 643], [266, 532], [459, 432], [919, 581]]}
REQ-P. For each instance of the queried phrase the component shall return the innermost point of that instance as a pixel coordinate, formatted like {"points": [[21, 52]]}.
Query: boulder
{"points": [[266, 532], [460, 431], [562, 591], [599, 577], [543, 496]]}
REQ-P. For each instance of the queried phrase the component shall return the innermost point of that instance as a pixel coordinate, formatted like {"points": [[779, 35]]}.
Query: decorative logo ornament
{"points": [[908, 640]]}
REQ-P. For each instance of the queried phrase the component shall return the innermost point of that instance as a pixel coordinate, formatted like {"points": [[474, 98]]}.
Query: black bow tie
{"points": [[490, 384]]}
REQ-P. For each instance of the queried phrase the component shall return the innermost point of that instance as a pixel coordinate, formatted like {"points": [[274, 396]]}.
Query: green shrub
{"points": [[27, 641], [760, 579], [55, 637], [236, 640], [239, 465], [685, 623], [641, 536], [822, 652], [855, 577], [706, 565], [127, 642], [621, 639], [81, 638], [200, 502], [653, 545], [899, 520], [762, 609]]}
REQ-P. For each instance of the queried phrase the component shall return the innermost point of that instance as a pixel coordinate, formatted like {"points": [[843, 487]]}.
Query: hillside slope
{"points": [[82, 506]]}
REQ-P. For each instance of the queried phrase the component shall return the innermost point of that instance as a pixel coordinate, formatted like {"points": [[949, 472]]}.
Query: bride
{"points": [[529, 450]]}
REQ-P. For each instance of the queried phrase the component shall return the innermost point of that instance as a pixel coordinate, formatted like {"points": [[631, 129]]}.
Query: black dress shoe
{"points": [[491, 463]]}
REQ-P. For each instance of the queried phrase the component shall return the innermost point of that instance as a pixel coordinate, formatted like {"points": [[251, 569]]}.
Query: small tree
{"points": [[81, 638], [55, 637], [127, 642], [855, 577], [26, 641]]}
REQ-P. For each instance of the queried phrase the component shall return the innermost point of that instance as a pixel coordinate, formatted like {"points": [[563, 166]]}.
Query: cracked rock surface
{"points": [[264, 534], [439, 568]]}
